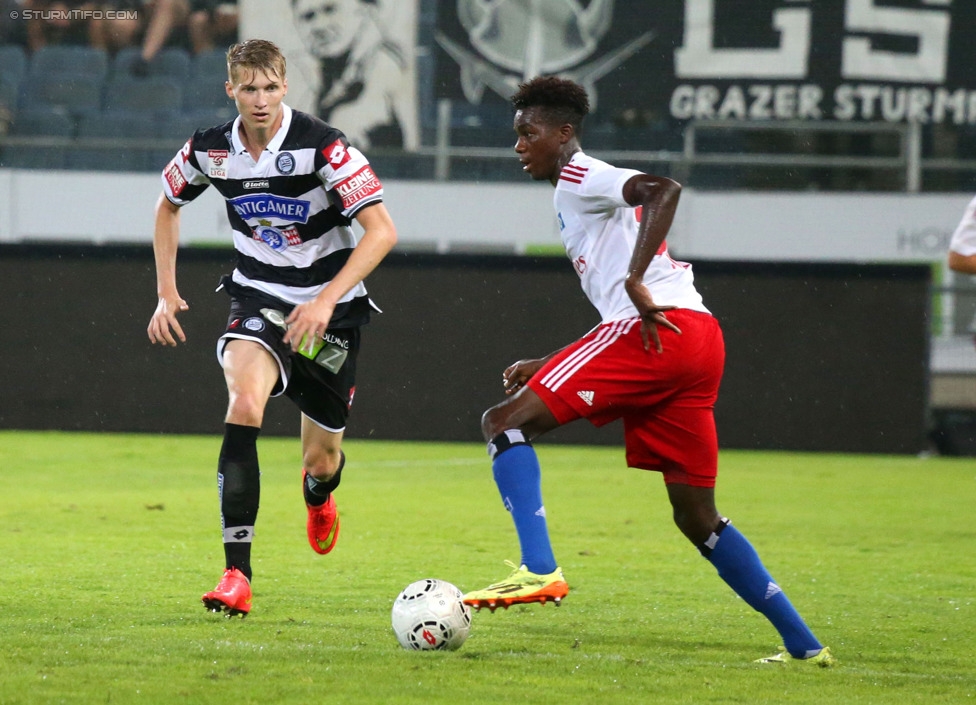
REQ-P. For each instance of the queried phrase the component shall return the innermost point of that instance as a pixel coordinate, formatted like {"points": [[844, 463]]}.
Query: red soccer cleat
{"points": [[322, 524], [232, 594]]}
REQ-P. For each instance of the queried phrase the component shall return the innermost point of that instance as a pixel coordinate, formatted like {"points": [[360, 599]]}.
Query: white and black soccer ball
{"points": [[431, 614]]}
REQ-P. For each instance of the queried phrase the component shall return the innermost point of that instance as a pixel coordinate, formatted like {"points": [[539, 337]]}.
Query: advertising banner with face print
{"points": [[350, 62], [845, 60]]}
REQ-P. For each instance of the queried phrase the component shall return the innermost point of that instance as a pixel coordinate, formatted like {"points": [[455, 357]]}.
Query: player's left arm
{"points": [[962, 263], [379, 237], [658, 196], [962, 246]]}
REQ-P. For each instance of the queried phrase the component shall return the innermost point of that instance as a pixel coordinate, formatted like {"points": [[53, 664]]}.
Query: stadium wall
{"points": [[820, 357], [101, 207]]}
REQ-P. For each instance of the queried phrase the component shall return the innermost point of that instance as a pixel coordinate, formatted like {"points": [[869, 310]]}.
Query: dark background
{"points": [[819, 357]]}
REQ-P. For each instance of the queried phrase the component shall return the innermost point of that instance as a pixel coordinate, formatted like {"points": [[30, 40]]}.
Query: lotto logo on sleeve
{"points": [[358, 187], [175, 179], [336, 154]]}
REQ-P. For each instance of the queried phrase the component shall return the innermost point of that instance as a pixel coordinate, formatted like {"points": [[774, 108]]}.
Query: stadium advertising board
{"points": [[674, 60], [351, 63]]}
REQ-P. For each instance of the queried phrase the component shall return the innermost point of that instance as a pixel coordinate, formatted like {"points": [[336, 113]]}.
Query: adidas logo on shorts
{"points": [[587, 397]]}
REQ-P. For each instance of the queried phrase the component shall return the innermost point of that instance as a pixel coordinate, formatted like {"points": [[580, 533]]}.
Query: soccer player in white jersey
{"points": [[962, 247], [293, 186], [655, 361]]}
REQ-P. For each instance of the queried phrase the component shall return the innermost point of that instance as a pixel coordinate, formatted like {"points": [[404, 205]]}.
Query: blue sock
{"points": [[519, 479], [738, 565]]}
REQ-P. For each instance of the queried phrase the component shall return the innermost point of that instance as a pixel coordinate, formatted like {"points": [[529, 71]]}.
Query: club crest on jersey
{"points": [[217, 163], [267, 205], [285, 163], [254, 324], [277, 239]]}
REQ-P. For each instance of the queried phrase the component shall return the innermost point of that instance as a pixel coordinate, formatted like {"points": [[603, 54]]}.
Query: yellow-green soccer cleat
{"points": [[824, 658], [520, 587]]}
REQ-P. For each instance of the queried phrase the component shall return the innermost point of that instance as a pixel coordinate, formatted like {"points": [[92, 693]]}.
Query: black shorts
{"points": [[323, 388]]}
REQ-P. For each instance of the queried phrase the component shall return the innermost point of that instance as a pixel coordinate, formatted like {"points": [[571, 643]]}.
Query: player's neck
{"points": [[564, 159], [256, 140]]}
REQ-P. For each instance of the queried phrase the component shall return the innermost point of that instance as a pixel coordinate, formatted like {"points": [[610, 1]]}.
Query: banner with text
{"points": [[847, 60]]}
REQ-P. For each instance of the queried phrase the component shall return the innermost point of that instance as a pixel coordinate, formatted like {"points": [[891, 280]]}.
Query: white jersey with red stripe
{"points": [[599, 231], [964, 238]]}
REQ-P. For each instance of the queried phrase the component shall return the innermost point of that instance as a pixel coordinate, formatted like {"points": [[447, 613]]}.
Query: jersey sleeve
{"points": [[182, 178], [964, 238], [345, 171], [606, 186]]}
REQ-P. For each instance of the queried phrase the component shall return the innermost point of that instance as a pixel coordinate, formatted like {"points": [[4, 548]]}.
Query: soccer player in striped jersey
{"points": [[654, 361], [293, 185]]}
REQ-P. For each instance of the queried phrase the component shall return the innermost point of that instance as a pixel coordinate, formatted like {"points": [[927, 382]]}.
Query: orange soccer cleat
{"points": [[322, 524], [232, 594]]}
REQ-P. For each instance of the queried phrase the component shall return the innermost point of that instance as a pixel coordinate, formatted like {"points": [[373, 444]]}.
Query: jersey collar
{"points": [[274, 145]]}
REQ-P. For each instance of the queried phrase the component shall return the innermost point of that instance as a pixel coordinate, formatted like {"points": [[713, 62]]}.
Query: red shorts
{"points": [[666, 399]]}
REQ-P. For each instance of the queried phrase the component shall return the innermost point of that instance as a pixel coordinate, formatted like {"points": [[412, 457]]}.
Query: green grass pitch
{"points": [[108, 541]]}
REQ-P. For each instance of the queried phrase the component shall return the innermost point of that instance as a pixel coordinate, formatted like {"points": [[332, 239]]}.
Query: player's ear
{"points": [[229, 87], [284, 86]]}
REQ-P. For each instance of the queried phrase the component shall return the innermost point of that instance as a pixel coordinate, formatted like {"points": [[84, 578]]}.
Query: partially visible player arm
{"points": [[658, 196], [962, 246], [166, 239], [379, 237], [517, 374], [962, 263]]}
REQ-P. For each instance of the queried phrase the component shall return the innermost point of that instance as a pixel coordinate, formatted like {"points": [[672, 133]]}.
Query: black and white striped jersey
{"points": [[291, 211]]}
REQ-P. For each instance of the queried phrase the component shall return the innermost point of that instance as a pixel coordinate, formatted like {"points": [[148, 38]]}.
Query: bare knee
{"points": [[322, 463], [694, 512], [492, 424], [245, 408], [524, 411], [697, 525]]}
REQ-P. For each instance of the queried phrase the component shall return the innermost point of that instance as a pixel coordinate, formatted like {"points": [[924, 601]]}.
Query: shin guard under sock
{"points": [[519, 479], [239, 483], [317, 492], [739, 565]]}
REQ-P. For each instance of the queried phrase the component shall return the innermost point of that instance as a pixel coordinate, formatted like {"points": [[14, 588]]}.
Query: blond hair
{"points": [[256, 55]]}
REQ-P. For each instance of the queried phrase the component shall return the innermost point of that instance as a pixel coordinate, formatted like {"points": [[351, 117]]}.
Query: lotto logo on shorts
{"points": [[358, 187], [336, 154]]}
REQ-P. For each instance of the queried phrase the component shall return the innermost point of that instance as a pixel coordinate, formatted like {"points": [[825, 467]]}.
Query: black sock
{"points": [[239, 482], [317, 492]]}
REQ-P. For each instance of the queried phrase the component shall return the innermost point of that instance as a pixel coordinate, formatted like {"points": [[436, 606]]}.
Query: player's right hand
{"points": [[163, 323], [515, 376]]}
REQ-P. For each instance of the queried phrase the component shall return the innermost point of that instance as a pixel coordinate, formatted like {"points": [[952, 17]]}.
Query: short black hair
{"points": [[562, 100]]}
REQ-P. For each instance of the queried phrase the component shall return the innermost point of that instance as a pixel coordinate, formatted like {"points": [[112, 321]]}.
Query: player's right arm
{"points": [[183, 180], [166, 238]]}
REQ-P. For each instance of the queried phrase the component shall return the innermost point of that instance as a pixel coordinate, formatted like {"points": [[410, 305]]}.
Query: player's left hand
{"points": [[307, 322], [651, 315], [516, 375]]}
